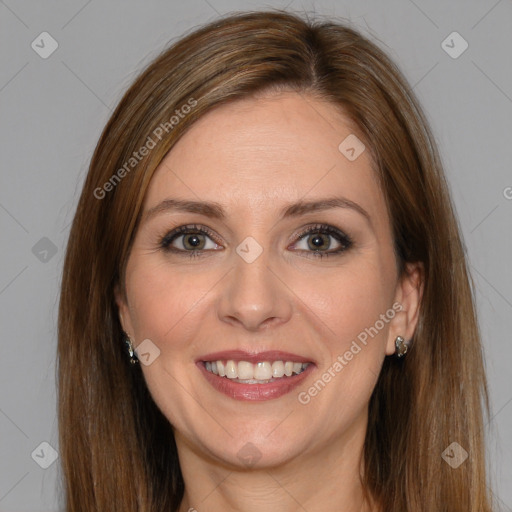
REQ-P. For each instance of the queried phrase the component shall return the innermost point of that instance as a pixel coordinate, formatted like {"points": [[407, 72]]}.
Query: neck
{"points": [[326, 479]]}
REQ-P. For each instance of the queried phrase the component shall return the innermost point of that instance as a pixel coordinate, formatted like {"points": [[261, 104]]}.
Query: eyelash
{"points": [[341, 238]]}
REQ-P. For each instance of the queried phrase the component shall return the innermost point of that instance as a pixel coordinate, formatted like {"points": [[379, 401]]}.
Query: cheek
{"points": [[354, 343], [161, 299], [350, 301]]}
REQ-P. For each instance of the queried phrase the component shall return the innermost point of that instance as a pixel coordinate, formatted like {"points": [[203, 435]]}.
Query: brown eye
{"points": [[318, 241], [323, 240], [193, 241], [189, 239]]}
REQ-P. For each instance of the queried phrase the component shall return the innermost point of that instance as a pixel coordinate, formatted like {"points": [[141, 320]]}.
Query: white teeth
{"points": [[250, 373], [231, 370], [245, 370], [277, 369], [263, 371]]}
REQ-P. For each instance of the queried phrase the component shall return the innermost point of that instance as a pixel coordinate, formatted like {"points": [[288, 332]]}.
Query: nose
{"points": [[254, 295]]}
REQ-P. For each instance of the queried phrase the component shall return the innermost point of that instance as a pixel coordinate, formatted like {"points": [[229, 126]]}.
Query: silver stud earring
{"points": [[400, 346], [131, 351]]}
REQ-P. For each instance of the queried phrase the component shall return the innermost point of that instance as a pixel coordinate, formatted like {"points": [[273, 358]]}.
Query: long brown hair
{"points": [[117, 449]]}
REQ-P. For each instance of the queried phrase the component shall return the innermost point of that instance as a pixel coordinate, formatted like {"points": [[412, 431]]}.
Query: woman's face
{"points": [[267, 246]]}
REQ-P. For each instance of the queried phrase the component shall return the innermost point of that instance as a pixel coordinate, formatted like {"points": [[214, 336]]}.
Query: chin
{"points": [[255, 448]]}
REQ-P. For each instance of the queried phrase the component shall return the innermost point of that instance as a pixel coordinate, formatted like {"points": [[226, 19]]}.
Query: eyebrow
{"points": [[216, 211]]}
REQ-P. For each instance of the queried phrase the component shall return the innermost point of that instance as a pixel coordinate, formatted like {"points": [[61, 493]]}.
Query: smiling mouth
{"points": [[264, 372]]}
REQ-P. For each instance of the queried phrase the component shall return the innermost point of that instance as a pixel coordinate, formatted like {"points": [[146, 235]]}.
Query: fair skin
{"points": [[253, 158]]}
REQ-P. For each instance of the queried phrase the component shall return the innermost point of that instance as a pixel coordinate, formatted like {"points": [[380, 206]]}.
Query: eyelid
{"points": [[342, 238], [187, 229]]}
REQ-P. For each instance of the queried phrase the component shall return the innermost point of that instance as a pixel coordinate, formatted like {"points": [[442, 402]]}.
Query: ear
{"points": [[408, 295], [123, 310]]}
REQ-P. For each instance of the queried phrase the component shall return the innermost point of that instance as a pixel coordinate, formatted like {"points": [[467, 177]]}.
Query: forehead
{"points": [[261, 152]]}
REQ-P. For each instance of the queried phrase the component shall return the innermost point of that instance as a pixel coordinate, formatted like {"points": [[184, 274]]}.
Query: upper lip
{"points": [[254, 357]]}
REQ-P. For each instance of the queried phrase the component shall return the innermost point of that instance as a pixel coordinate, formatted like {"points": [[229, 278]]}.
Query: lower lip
{"points": [[255, 392]]}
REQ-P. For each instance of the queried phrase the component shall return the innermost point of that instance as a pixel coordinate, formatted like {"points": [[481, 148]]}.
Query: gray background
{"points": [[52, 112]]}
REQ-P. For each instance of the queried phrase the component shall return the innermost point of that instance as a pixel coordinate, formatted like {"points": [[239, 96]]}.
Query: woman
{"points": [[265, 302]]}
